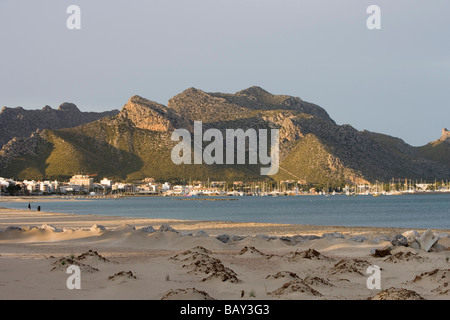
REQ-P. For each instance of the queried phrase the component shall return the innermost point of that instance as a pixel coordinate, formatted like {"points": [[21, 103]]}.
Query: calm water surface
{"points": [[405, 211]]}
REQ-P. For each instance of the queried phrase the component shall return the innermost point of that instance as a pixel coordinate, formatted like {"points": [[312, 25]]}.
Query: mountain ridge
{"points": [[20, 123], [136, 142]]}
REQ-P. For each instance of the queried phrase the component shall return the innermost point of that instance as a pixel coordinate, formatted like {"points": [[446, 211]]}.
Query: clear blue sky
{"points": [[395, 80]]}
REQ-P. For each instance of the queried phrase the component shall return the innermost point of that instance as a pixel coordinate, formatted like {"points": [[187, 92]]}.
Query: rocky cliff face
{"points": [[21, 123], [197, 105], [147, 115], [19, 147], [445, 136]]}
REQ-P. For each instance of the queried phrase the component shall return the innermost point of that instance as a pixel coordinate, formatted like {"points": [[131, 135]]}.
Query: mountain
{"points": [[438, 150], [136, 143], [19, 123]]}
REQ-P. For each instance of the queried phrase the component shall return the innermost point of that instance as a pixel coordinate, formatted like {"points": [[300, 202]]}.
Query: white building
{"points": [[86, 182], [41, 186], [4, 183], [146, 189], [165, 186], [44, 187], [118, 186], [180, 189], [49, 186], [31, 185], [106, 183]]}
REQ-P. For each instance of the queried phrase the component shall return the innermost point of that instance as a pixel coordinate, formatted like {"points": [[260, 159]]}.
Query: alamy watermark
{"points": [[236, 147], [373, 281], [74, 280], [73, 22], [373, 22]]}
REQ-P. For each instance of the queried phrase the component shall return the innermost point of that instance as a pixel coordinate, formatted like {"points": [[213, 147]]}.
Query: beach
{"points": [[154, 259]]}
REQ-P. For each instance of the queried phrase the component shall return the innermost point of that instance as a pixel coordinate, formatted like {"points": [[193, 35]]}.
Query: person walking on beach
{"points": [[39, 208], [29, 206]]}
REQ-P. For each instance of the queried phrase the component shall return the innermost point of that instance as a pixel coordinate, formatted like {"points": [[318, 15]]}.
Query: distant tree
{"points": [[13, 189]]}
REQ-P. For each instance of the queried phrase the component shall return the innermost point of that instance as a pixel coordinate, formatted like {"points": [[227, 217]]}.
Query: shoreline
{"points": [[288, 225], [25, 218], [25, 198]]}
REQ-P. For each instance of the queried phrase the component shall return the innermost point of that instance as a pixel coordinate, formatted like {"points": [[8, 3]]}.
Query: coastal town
{"points": [[84, 185]]}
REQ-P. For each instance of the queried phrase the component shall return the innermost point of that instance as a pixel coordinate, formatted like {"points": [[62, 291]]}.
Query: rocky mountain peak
{"points": [[445, 135], [146, 114], [192, 90], [18, 122], [68, 107], [198, 105], [192, 95], [11, 111], [253, 91]]}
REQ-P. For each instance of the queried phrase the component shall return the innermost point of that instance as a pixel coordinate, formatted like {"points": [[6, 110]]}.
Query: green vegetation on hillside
{"points": [[312, 162], [438, 151]]}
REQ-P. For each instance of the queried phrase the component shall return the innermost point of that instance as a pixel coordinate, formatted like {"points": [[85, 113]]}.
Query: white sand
{"points": [[169, 264]]}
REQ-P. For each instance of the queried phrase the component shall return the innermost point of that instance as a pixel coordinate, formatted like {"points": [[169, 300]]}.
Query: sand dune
{"points": [[125, 258]]}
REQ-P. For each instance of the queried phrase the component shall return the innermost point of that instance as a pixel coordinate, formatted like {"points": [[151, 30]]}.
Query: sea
{"points": [[402, 211]]}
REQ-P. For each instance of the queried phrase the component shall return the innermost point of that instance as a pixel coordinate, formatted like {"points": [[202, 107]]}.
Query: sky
{"points": [[394, 80]]}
